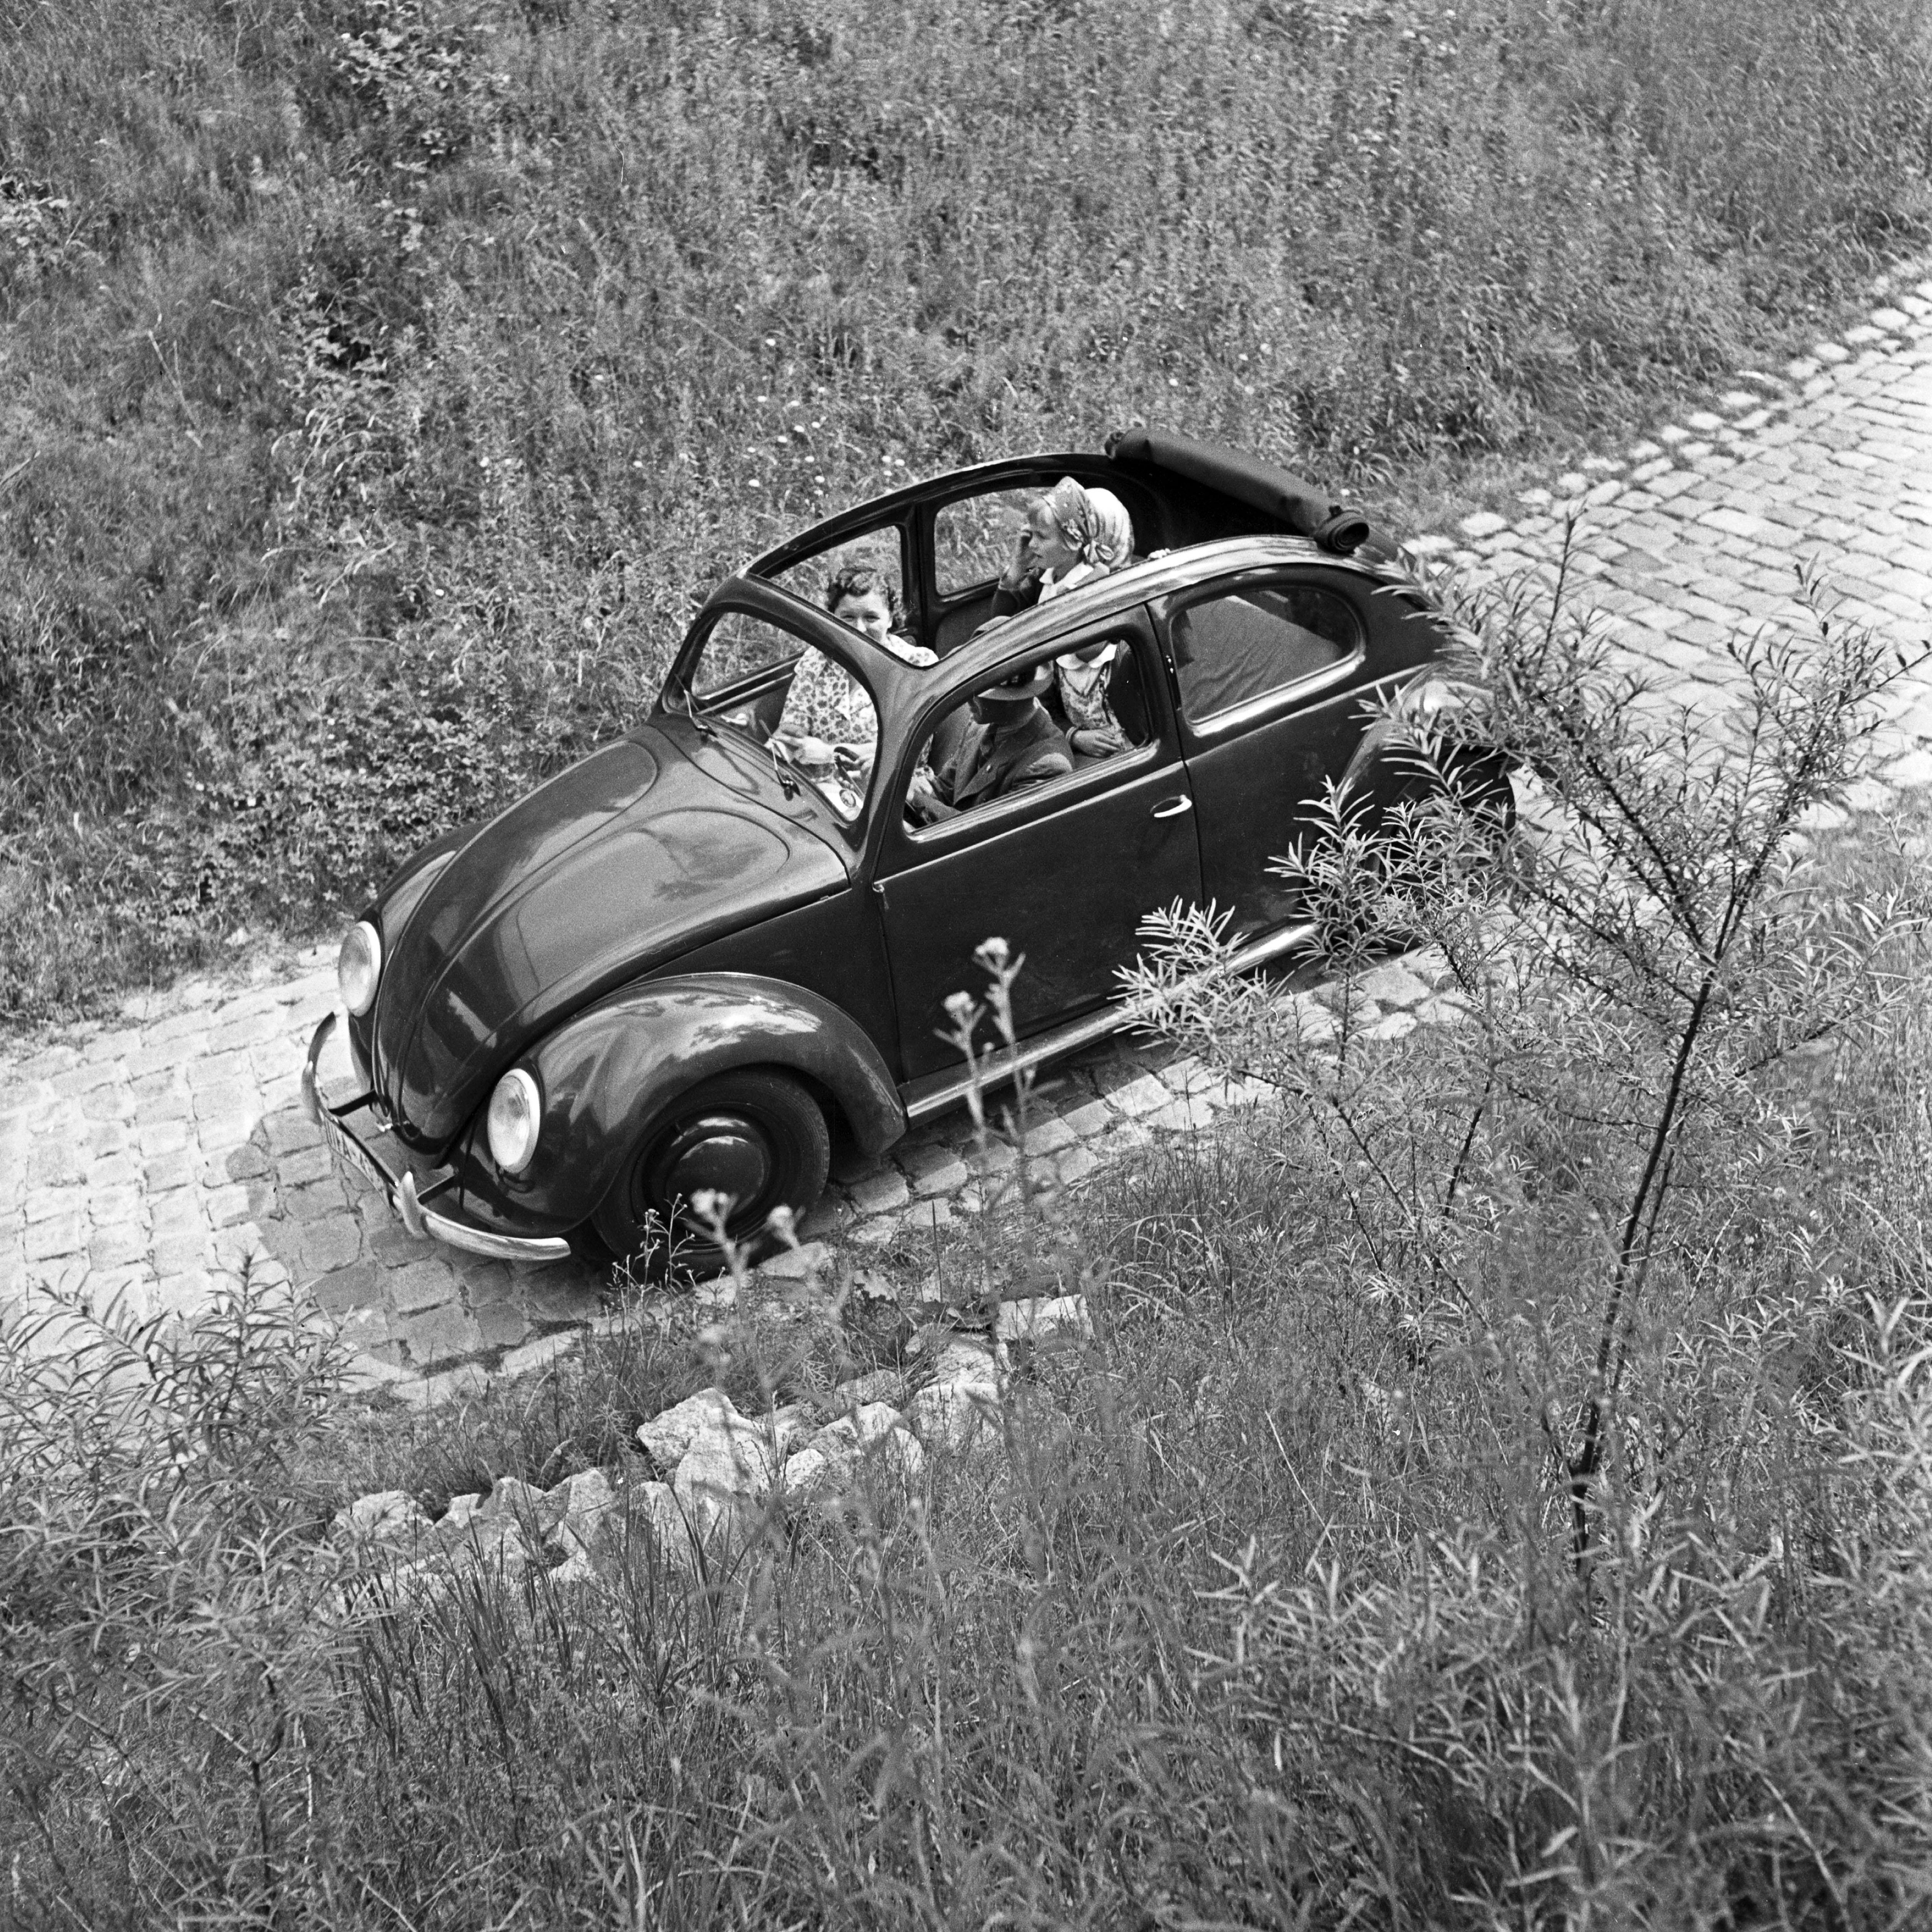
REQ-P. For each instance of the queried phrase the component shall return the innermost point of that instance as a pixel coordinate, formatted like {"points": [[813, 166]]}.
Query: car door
{"points": [[1268, 669], [1064, 872]]}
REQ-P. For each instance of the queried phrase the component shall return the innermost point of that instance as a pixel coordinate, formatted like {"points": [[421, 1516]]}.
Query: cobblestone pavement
{"points": [[146, 1157]]}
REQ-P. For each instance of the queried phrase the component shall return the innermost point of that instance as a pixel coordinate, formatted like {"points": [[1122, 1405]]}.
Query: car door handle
{"points": [[1172, 808]]}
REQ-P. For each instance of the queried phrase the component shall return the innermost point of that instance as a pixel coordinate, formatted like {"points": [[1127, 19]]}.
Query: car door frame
{"points": [[892, 849], [915, 510], [1357, 675]]}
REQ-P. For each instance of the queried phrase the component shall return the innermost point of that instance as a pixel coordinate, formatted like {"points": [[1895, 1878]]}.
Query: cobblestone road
{"points": [[146, 1157]]}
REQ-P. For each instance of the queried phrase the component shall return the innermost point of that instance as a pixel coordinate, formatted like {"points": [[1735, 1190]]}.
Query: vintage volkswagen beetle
{"points": [[680, 965]]}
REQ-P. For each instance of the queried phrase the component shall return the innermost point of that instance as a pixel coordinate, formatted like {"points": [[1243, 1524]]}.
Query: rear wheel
{"points": [[755, 1136]]}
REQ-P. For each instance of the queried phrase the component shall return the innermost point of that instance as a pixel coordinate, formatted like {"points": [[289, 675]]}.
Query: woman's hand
{"points": [[1020, 567]]}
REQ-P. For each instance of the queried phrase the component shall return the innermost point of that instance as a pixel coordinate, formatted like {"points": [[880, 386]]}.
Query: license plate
{"points": [[342, 1145]]}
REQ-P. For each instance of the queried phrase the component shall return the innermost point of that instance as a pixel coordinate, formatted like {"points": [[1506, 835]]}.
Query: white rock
{"points": [[812, 1476], [722, 1468], [655, 1507], [886, 1385], [665, 1438], [587, 1502], [388, 1515], [964, 1360], [797, 1264], [513, 1500], [1391, 984], [460, 1511], [957, 1415], [790, 1427], [1045, 1317]]}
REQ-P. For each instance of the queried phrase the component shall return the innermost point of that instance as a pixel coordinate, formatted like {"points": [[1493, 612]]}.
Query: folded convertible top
{"points": [[1294, 503]]}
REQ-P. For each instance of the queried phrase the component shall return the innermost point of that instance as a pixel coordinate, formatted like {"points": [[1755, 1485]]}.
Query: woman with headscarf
{"points": [[1073, 536]]}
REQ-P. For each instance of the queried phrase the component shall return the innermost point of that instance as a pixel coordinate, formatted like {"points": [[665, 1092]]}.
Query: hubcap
{"points": [[725, 1153]]}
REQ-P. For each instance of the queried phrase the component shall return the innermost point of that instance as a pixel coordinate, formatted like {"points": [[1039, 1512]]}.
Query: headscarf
{"points": [[1113, 541], [1095, 522]]}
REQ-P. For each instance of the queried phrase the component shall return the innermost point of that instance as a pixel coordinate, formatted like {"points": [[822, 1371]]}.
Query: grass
{"points": [[1290, 1600], [1265, 1615], [389, 375]]}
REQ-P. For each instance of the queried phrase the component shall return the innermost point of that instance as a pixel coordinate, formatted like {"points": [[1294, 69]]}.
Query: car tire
{"points": [[757, 1136]]}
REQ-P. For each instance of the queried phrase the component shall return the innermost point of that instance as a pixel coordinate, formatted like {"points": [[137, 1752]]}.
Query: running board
{"points": [[922, 1101]]}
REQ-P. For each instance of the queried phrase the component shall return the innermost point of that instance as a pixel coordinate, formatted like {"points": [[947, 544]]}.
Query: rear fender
{"points": [[606, 1074]]}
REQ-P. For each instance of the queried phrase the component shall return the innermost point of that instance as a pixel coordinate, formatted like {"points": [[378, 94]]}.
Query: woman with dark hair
{"points": [[829, 727]]}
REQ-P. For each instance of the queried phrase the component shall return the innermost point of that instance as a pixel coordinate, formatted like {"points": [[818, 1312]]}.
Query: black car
{"points": [[678, 965]]}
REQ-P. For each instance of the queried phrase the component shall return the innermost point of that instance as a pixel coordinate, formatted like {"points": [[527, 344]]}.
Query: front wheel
{"points": [[757, 1137]]}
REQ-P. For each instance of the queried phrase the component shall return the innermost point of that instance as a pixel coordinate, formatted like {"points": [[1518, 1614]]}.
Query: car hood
{"points": [[639, 852]]}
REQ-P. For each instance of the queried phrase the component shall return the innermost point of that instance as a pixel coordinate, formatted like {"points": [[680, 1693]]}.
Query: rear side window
{"points": [[1230, 651]]}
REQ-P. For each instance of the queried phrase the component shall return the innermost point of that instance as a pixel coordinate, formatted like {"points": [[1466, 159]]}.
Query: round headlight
{"points": [[359, 966], [512, 1120]]}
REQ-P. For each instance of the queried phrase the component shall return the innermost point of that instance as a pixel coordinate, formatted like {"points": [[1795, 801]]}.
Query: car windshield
{"points": [[813, 717]]}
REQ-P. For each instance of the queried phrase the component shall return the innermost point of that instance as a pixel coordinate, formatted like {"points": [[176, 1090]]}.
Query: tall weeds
{"points": [[389, 374]]}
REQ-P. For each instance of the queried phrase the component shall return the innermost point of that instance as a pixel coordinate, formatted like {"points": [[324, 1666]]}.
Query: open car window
{"points": [[881, 551], [1086, 708], [810, 713], [1233, 650], [972, 537]]}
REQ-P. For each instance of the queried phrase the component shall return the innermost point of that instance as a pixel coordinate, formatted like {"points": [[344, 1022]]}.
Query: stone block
{"points": [[422, 1283], [360, 1285], [875, 1192], [439, 1335], [1483, 523], [1391, 984], [1076, 1164], [214, 1071], [797, 1264], [289, 1130], [502, 1324], [186, 1252], [113, 1247], [458, 1384], [942, 1179], [1048, 1136], [537, 1354], [114, 1102], [315, 1200], [1144, 1095], [257, 1025], [83, 1077], [1091, 1117], [55, 1236], [54, 1161], [302, 1165], [321, 1247], [155, 1137], [179, 1212]]}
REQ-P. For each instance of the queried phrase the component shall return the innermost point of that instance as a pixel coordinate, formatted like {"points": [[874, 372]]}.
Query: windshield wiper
{"points": [[707, 732], [782, 768]]}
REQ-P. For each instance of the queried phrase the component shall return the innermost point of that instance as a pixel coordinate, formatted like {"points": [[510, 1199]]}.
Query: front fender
{"points": [[608, 1072]]}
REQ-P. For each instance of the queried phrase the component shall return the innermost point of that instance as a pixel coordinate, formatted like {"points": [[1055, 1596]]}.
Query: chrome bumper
{"points": [[349, 1150]]}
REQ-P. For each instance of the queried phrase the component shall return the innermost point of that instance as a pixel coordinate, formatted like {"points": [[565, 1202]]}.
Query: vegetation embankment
{"points": [[1498, 1492], [381, 378]]}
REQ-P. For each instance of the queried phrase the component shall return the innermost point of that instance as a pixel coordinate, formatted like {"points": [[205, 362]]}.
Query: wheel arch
{"points": [[607, 1074]]}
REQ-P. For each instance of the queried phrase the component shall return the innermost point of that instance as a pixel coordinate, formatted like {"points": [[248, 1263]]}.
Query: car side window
{"points": [[756, 676], [740, 651], [1230, 650], [1057, 716], [972, 537]]}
